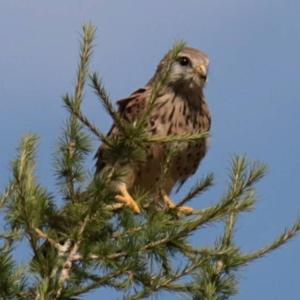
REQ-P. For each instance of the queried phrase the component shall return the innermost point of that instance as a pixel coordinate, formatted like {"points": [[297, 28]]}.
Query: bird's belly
{"points": [[172, 119], [156, 173]]}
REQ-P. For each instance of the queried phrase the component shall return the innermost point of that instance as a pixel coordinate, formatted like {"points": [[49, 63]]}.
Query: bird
{"points": [[180, 108]]}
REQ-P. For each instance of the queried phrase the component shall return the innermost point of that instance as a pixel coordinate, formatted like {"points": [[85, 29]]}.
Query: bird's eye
{"points": [[184, 61]]}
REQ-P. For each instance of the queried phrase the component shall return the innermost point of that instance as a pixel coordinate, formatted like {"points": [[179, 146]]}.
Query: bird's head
{"points": [[188, 71]]}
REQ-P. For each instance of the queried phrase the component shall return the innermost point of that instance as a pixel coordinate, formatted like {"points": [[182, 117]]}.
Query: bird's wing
{"points": [[129, 109]]}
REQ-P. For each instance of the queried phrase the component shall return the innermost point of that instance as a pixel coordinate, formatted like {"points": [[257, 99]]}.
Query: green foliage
{"points": [[12, 279], [91, 242]]}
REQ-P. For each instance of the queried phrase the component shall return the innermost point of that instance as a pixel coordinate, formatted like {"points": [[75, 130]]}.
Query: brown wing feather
{"points": [[129, 108]]}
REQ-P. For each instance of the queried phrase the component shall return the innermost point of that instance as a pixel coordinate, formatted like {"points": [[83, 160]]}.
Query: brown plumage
{"points": [[179, 108]]}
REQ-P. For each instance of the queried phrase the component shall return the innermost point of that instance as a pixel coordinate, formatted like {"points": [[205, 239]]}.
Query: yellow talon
{"points": [[125, 198], [186, 210]]}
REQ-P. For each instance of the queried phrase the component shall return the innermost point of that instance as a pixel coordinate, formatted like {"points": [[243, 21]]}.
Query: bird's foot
{"points": [[186, 210], [124, 197]]}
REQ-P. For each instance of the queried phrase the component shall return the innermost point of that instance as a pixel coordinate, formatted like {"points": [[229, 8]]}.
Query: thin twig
{"points": [[100, 281], [188, 137], [73, 256], [103, 96], [199, 188], [281, 240], [52, 242], [85, 121]]}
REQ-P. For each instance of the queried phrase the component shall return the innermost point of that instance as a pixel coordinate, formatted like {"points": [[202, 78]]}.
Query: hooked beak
{"points": [[201, 71]]}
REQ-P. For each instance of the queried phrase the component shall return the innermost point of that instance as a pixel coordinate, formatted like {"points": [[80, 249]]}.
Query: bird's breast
{"points": [[177, 115], [174, 116]]}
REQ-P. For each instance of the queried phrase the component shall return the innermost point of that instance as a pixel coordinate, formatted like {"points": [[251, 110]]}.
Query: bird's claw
{"points": [[125, 198], [186, 210]]}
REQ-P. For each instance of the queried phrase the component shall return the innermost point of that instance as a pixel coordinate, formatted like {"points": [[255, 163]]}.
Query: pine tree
{"points": [[85, 241]]}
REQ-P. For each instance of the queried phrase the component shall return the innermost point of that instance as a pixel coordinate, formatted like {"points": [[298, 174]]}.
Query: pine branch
{"points": [[71, 257], [217, 212], [75, 144], [84, 120], [240, 182], [287, 235], [24, 189], [62, 249], [197, 189], [103, 96], [71, 250], [158, 283], [12, 281], [88, 33], [98, 282], [6, 195], [238, 171], [187, 137]]}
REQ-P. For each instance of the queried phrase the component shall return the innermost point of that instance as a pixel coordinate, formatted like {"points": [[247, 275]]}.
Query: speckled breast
{"points": [[174, 117]]}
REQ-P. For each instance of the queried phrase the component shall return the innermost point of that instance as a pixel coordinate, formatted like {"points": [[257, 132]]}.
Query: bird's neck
{"points": [[193, 95]]}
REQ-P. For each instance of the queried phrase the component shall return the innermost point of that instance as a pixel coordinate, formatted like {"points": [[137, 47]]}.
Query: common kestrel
{"points": [[179, 108]]}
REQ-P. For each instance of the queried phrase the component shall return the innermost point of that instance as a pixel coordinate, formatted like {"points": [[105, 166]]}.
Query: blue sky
{"points": [[253, 90]]}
